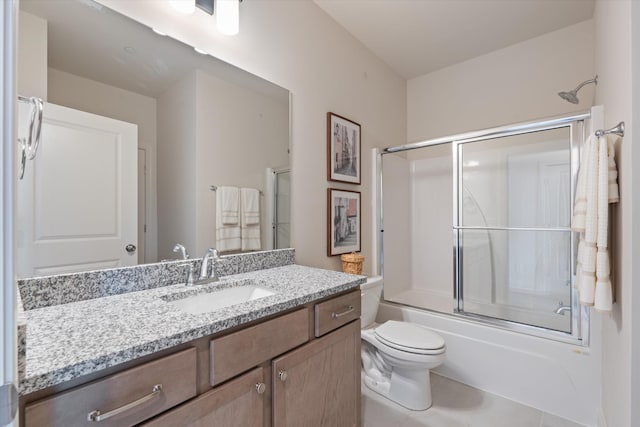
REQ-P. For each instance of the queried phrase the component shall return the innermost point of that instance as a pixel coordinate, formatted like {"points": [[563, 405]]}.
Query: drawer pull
{"points": [[97, 416], [349, 309], [261, 388]]}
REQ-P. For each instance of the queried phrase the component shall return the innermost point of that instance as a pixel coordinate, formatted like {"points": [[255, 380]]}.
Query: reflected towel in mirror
{"points": [[250, 219]]}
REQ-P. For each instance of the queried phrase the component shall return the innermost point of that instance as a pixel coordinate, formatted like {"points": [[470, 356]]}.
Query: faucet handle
{"points": [[188, 281]]}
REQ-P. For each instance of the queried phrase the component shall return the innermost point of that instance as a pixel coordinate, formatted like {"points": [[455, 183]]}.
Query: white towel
{"points": [[227, 233], [596, 188], [250, 219], [250, 205], [228, 205]]}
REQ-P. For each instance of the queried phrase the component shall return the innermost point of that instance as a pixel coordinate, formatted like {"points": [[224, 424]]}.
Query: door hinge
{"points": [[8, 403]]}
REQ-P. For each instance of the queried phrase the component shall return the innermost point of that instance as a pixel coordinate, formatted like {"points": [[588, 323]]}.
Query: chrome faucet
{"points": [[562, 308], [189, 265], [204, 267], [180, 248]]}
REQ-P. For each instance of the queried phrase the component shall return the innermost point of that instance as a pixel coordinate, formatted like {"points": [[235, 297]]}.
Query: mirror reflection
{"points": [[145, 142]]}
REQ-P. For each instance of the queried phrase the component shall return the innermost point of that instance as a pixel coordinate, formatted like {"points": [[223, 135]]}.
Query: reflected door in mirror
{"points": [[77, 205]]}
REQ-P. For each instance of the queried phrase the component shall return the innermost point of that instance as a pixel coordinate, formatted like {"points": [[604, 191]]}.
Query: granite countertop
{"points": [[70, 340]]}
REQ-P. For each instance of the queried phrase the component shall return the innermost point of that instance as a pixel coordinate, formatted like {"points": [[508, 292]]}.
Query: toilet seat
{"points": [[409, 337]]}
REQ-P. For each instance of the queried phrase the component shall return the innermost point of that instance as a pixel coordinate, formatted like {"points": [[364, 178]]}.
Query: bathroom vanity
{"points": [[288, 359]]}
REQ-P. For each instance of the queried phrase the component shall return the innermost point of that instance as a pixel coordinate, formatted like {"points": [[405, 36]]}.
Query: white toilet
{"points": [[397, 356]]}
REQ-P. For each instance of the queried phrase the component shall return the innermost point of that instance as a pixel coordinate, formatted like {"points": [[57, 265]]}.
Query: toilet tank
{"points": [[370, 293]]}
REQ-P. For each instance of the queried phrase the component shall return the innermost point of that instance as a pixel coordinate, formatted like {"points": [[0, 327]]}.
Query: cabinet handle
{"points": [[335, 315], [260, 388], [282, 374], [97, 416]]}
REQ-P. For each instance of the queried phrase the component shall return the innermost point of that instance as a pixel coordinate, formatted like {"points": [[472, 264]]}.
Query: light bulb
{"points": [[228, 16], [184, 6]]}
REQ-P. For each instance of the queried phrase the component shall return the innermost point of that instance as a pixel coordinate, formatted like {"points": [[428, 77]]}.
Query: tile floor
{"points": [[456, 405]]}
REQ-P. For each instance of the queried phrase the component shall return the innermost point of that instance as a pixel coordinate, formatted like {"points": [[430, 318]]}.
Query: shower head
{"points": [[572, 95]]}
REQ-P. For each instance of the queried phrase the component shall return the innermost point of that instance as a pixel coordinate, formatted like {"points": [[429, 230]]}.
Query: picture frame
{"points": [[343, 149], [344, 222]]}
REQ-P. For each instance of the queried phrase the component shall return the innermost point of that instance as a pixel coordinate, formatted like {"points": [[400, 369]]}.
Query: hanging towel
{"points": [[596, 188], [228, 205], [227, 209], [250, 205], [250, 219]]}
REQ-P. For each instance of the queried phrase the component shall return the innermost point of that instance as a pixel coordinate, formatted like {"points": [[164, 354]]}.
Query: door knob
{"points": [[130, 248]]}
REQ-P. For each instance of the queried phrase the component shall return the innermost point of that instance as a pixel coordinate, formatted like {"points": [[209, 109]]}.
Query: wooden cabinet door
{"points": [[319, 384], [237, 403]]}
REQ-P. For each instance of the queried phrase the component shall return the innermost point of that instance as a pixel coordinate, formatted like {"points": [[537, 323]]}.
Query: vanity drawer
{"points": [[333, 313], [240, 351], [175, 373]]}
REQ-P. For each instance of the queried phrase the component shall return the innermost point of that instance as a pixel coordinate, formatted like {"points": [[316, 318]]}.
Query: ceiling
{"points": [[92, 41], [413, 37], [416, 37]]}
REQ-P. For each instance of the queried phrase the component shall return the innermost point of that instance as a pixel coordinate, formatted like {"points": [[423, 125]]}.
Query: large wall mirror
{"points": [[140, 133]]}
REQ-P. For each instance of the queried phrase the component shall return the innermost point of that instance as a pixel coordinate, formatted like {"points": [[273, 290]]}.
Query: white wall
{"points": [[511, 85], [32, 56], [635, 260], [297, 46], [98, 98], [237, 140], [514, 84], [177, 166], [614, 62]]}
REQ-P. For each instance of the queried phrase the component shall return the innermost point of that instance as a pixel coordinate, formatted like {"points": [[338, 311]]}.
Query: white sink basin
{"points": [[206, 302]]}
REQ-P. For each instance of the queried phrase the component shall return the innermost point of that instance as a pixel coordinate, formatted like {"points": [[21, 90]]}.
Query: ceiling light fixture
{"points": [[183, 6], [228, 16], [227, 12]]}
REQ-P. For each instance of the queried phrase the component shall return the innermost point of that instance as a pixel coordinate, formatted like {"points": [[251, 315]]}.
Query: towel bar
{"points": [[215, 188], [618, 130]]}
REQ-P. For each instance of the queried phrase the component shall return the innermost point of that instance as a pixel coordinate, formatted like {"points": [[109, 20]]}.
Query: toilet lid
{"points": [[409, 336]]}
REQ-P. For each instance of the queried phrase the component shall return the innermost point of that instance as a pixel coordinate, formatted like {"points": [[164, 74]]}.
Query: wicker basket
{"points": [[352, 263]]}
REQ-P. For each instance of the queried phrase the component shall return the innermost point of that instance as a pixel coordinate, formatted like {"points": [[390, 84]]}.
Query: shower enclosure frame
{"points": [[580, 316], [275, 174]]}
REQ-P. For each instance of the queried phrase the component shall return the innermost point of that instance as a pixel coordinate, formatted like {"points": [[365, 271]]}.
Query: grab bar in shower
{"points": [[496, 228]]}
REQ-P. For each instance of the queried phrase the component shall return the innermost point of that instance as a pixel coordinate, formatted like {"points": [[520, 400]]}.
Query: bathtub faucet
{"points": [[562, 308]]}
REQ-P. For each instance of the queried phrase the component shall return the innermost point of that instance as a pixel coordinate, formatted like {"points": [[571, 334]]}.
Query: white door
{"points": [[142, 205], [77, 203]]}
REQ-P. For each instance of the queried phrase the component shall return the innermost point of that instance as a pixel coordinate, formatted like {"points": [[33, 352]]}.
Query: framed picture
{"points": [[343, 149], [343, 221]]}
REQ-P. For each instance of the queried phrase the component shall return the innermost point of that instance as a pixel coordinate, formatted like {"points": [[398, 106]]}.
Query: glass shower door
{"points": [[512, 227], [282, 220]]}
